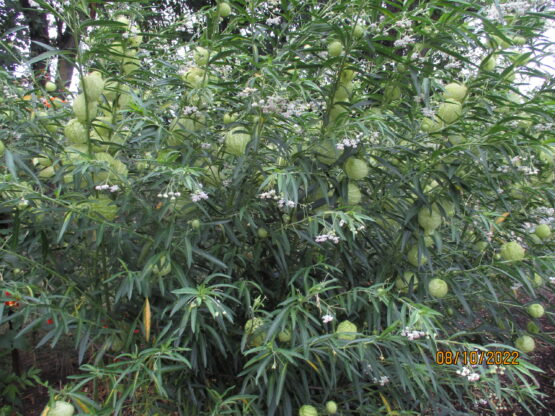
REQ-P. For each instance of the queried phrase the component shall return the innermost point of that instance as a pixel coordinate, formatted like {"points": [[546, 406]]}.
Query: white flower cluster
{"points": [[516, 161], [205, 145], [248, 91], [280, 104], [546, 211], [404, 23], [324, 237], [406, 40], [273, 21], [327, 318], [282, 202], [528, 170], [415, 56], [190, 110], [469, 374], [382, 381], [412, 334], [544, 127], [184, 69], [516, 286], [349, 142], [497, 370], [269, 195], [199, 195], [453, 64], [112, 188], [428, 112], [481, 402], [172, 195], [518, 7]]}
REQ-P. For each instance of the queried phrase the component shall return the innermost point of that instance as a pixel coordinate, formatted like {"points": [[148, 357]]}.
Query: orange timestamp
{"points": [[477, 357]]}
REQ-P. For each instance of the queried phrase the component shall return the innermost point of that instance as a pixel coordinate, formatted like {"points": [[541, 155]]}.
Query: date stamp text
{"points": [[477, 357]]}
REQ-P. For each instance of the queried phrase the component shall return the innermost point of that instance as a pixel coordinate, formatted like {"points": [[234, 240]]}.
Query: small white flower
{"points": [[273, 21], [473, 377], [383, 380], [404, 41], [327, 318], [428, 112]]}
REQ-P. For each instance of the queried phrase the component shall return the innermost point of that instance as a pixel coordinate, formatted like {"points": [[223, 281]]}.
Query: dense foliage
{"points": [[291, 213]]}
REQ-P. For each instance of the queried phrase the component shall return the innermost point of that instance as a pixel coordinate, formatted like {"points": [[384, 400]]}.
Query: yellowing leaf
{"points": [[83, 407], [313, 366], [502, 218], [146, 319]]}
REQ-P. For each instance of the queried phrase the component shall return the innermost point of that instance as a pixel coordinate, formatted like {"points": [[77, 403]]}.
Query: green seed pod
{"points": [[438, 288], [512, 251], [224, 9], [236, 141], [356, 168], [392, 93], [402, 283], [429, 125], [331, 407], [75, 132], [80, 108], [543, 231], [335, 48], [490, 63], [50, 86], [525, 343], [60, 409], [327, 152], [455, 91], [284, 336], [200, 56], [359, 31], [412, 257], [93, 84], [535, 310], [429, 219], [449, 111], [308, 410], [163, 267], [262, 232], [346, 330]]}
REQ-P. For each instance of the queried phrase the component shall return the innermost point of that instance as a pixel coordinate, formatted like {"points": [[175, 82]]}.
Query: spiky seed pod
{"points": [[449, 111], [84, 111], [346, 330], [93, 84], [236, 141], [75, 132]]}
